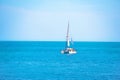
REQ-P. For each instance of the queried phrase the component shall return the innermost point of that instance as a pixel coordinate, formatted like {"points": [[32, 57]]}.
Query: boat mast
{"points": [[67, 37]]}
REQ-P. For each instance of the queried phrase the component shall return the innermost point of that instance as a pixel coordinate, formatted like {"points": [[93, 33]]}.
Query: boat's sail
{"points": [[68, 49], [67, 37]]}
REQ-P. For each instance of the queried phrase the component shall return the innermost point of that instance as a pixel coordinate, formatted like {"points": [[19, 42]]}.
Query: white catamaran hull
{"points": [[68, 51], [63, 52]]}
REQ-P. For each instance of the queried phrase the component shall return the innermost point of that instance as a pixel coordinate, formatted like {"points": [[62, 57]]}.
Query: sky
{"points": [[47, 20]]}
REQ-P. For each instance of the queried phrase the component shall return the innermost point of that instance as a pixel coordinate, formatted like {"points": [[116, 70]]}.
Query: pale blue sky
{"points": [[90, 20]]}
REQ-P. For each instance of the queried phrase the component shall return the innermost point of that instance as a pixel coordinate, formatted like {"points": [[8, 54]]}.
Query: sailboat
{"points": [[68, 49]]}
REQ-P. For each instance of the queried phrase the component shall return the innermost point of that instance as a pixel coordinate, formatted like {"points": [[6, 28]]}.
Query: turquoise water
{"points": [[43, 61]]}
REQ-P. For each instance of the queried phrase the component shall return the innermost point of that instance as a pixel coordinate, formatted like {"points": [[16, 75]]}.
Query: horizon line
{"points": [[50, 41]]}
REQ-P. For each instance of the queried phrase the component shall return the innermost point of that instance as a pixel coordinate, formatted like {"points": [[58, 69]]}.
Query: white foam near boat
{"points": [[68, 49]]}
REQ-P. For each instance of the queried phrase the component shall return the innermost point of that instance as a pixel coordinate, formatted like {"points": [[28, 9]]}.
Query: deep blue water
{"points": [[43, 61]]}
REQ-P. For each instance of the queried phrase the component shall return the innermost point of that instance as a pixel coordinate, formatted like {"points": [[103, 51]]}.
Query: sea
{"points": [[42, 60]]}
